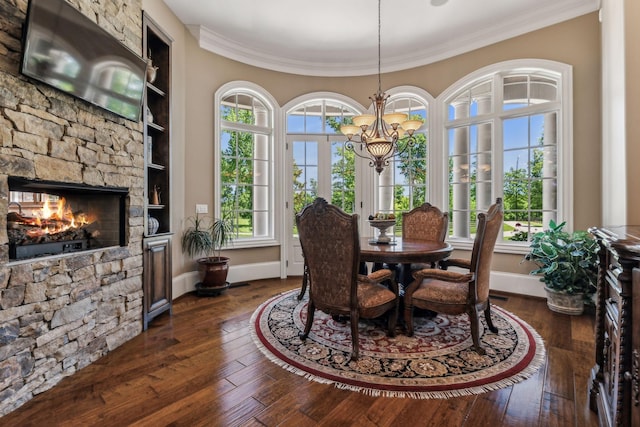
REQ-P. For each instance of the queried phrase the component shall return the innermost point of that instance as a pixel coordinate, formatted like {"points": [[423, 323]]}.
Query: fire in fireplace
{"points": [[50, 218]]}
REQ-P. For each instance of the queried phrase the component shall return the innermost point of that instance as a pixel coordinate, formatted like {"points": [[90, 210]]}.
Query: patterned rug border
{"points": [[517, 373]]}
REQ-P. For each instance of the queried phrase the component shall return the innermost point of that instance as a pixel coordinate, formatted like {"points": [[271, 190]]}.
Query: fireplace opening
{"points": [[51, 218]]}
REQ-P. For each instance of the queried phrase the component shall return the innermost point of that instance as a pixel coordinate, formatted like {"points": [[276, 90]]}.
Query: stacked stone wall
{"points": [[60, 314]]}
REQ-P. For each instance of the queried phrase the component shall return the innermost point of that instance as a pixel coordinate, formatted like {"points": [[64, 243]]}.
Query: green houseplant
{"points": [[568, 263], [205, 238]]}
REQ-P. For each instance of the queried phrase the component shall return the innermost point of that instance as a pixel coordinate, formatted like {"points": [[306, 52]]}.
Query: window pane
{"points": [[342, 177], [261, 195], [245, 164], [472, 102], [403, 185], [305, 174], [524, 90], [470, 175], [530, 174], [261, 176]]}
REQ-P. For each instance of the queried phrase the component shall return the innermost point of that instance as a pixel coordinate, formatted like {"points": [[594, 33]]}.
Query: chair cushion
{"points": [[373, 295], [442, 292]]}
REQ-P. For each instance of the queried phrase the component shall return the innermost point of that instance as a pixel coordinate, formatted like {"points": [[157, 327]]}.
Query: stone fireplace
{"points": [[51, 218], [61, 312]]}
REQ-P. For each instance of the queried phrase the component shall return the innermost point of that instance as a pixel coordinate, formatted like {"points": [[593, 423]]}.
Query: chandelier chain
{"points": [[379, 44], [376, 135]]}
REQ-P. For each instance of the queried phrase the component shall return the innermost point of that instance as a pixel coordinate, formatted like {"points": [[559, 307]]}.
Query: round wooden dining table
{"points": [[403, 251]]}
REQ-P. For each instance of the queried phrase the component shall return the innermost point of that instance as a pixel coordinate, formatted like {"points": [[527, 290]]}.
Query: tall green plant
{"points": [[197, 239], [205, 237], [222, 233], [568, 262]]}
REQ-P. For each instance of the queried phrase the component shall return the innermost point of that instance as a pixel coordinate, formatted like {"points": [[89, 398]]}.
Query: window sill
{"points": [[503, 248], [251, 243]]}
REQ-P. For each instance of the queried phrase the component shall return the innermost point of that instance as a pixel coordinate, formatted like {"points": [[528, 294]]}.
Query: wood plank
{"points": [[524, 404], [200, 367]]}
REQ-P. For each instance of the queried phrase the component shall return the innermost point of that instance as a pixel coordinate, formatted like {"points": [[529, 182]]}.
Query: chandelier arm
{"points": [[350, 146], [410, 143]]}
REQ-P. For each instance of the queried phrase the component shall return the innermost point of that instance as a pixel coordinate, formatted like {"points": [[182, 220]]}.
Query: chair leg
{"points": [[354, 335], [475, 330], [408, 318], [305, 275], [487, 316], [311, 310]]}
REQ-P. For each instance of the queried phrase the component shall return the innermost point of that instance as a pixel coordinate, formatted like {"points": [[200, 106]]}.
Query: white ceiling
{"points": [[340, 37]]}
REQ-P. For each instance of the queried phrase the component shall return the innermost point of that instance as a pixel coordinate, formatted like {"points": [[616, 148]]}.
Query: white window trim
{"points": [[565, 119], [275, 198]]}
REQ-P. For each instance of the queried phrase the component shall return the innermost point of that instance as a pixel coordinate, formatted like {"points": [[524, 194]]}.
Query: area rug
{"points": [[437, 362]]}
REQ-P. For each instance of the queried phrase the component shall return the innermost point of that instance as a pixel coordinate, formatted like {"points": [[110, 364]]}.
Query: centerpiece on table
{"points": [[382, 222]]}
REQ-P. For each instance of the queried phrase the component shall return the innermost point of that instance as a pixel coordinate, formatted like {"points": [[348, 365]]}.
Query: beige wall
{"points": [[632, 86], [576, 42]]}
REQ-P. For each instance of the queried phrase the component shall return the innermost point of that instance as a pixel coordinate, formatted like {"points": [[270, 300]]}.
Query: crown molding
{"points": [[459, 44]]}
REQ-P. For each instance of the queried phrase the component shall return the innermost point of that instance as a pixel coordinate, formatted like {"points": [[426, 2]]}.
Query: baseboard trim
{"points": [[513, 283], [186, 282]]}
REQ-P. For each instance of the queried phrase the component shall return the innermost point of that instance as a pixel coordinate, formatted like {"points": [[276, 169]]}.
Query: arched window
{"points": [[507, 132], [320, 164], [244, 168]]}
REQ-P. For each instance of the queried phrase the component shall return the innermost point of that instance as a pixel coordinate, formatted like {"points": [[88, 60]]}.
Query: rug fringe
{"points": [[535, 364]]}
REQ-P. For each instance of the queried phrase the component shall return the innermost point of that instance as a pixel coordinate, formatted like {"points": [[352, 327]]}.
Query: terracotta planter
{"points": [[565, 303], [213, 272]]}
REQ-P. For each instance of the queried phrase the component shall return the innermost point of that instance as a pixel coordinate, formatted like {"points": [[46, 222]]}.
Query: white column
{"points": [[549, 169], [483, 185], [261, 177], [385, 188]]}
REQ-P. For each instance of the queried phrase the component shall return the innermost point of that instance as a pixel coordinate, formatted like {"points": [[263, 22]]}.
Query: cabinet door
{"points": [[611, 370], [157, 277], [635, 351]]}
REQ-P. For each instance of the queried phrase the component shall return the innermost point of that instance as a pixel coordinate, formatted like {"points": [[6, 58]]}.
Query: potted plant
{"points": [[568, 263], [206, 238]]}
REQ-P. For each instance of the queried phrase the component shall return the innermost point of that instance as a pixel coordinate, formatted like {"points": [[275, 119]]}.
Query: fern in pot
{"points": [[205, 238], [568, 264]]}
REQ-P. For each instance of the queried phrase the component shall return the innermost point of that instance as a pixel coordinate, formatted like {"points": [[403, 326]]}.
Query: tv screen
{"points": [[65, 49]]}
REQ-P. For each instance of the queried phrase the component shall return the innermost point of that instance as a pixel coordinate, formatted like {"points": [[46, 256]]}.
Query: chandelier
{"points": [[378, 133]]}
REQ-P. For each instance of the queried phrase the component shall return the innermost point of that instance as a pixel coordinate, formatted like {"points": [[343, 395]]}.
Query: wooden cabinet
{"points": [[157, 277], [614, 389], [157, 174]]}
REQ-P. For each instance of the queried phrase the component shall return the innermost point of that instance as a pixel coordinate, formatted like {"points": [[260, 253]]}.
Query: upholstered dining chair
{"points": [[331, 246], [425, 222], [454, 292]]}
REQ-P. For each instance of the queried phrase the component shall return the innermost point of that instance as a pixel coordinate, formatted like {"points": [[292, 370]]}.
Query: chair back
{"points": [[488, 229], [330, 243], [425, 222]]}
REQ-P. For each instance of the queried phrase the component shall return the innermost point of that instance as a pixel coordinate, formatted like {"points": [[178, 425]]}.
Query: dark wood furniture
{"points": [[425, 222], [405, 252], [614, 389], [330, 244], [157, 277], [454, 292], [401, 251]]}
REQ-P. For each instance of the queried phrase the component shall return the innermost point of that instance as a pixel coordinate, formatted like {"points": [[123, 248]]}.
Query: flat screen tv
{"points": [[64, 49]]}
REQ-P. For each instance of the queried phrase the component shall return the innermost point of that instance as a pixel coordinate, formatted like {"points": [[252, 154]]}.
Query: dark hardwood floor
{"points": [[200, 368]]}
